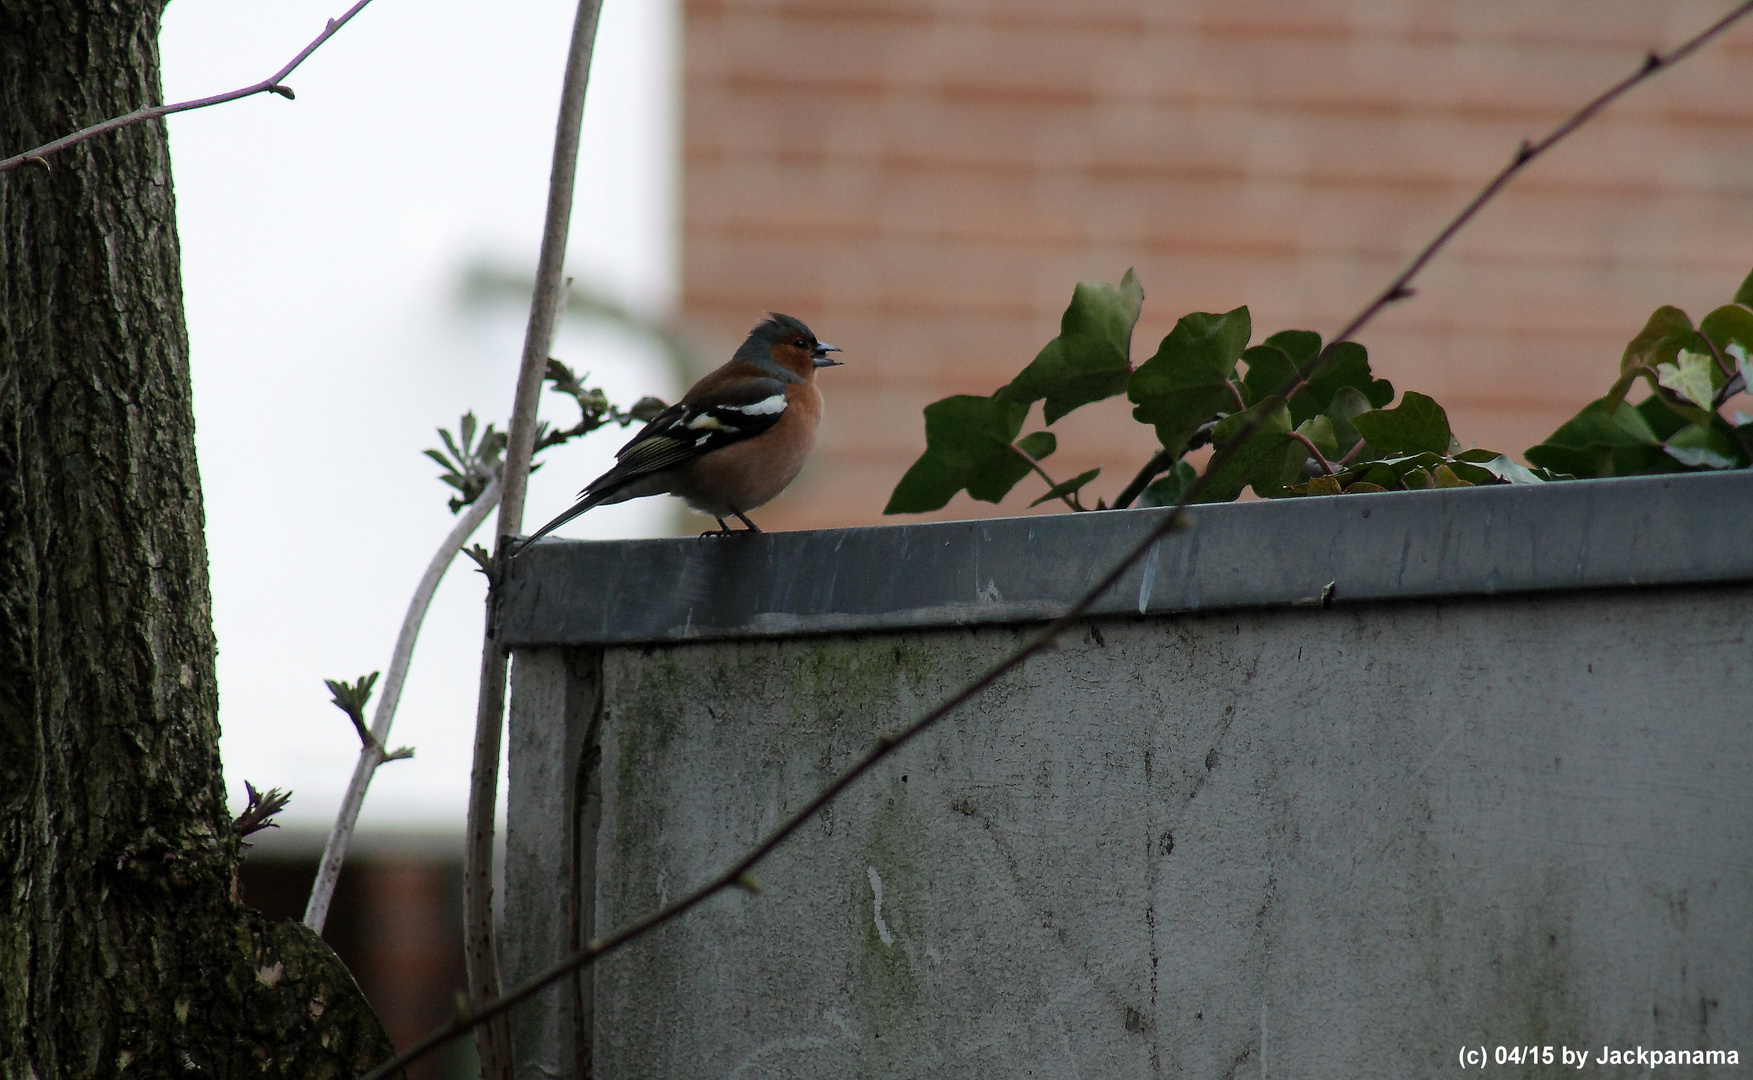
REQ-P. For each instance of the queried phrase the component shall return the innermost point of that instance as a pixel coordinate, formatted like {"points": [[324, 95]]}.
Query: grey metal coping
{"points": [[1635, 531]]}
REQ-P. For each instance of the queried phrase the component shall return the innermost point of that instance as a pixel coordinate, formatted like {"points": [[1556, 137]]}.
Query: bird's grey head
{"points": [[784, 336]]}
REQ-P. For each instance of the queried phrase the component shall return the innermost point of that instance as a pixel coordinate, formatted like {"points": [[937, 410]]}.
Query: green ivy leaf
{"points": [[1499, 466], [1444, 477], [1169, 488], [1692, 376], [1067, 487], [1416, 425], [1091, 358], [1347, 365], [993, 480], [1744, 295], [1275, 365], [1347, 403], [1319, 430], [1606, 438], [967, 445], [1667, 332], [971, 432], [1704, 447], [1409, 471], [929, 485], [1187, 382], [1660, 416], [1302, 346], [1270, 371], [1729, 325], [1039, 445], [1256, 458]]}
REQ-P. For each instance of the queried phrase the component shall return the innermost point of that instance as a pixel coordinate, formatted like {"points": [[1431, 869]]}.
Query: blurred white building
{"points": [[326, 245]]}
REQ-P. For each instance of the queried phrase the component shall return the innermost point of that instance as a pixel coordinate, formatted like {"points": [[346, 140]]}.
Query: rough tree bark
{"points": [[123, 948]]}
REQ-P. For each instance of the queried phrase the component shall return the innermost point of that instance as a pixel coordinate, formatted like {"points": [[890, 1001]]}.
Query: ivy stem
{"points": [[1161, 462], [1734, 384], [1235, 392], [1722, 365], [1351, 455], [1070, 499], [1315, 452]]}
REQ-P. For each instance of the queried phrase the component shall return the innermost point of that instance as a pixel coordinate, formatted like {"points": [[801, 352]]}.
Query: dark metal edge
{"points": [[1622, 533]]}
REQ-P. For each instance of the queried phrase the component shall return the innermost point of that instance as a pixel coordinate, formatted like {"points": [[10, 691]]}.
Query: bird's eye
{"points": [[801, 343]]}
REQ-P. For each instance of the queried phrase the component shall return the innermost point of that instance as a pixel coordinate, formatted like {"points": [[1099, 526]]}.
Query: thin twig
{"points": [[1528, 151], [272, 84], [740, 873], [480, 952], [371, 755]]}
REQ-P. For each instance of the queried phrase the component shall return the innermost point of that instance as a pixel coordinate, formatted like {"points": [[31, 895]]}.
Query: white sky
{"points": [[323, 241]]}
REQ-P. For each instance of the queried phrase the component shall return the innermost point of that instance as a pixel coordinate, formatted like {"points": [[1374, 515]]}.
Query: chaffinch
{"points": [[733, 442]]}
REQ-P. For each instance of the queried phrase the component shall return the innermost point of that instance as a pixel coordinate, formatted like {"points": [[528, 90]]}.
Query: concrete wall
{"points": [[1277, 840]]}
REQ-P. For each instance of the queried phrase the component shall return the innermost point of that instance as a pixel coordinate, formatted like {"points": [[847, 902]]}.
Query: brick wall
{"points": [[923, 181]]}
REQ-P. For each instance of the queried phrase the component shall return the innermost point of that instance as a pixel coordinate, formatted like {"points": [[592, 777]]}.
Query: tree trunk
{"points": [[123, 949]]}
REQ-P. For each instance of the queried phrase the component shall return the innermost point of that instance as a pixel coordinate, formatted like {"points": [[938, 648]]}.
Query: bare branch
{"points": [[271, 85], [1399, 288], [480, 952], [372, 754], [1174, 519]]}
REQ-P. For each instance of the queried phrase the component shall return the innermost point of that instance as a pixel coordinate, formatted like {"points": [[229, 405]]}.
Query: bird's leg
{"points": [[725, 530]]}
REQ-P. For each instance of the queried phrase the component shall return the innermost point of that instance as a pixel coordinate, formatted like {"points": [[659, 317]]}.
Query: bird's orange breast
{"points": [[748, 474]]}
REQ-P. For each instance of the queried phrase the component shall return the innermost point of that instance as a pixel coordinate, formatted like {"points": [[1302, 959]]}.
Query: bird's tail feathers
{"points": [[572, 511], [611, 487]]}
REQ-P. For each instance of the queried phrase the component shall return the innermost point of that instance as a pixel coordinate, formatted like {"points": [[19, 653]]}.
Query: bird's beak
{"points": [[820, 356]]}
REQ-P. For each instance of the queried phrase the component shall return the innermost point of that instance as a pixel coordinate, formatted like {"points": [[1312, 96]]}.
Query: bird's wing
{"points": [[688, 429], [715, 418]]}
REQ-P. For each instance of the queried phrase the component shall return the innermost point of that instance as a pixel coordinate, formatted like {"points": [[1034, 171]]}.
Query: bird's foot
{"points": [[722, 530]]}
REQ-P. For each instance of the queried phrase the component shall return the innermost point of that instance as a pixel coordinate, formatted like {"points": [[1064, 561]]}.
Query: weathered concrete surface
{"points": [[554, 797], [1305, 843]]}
